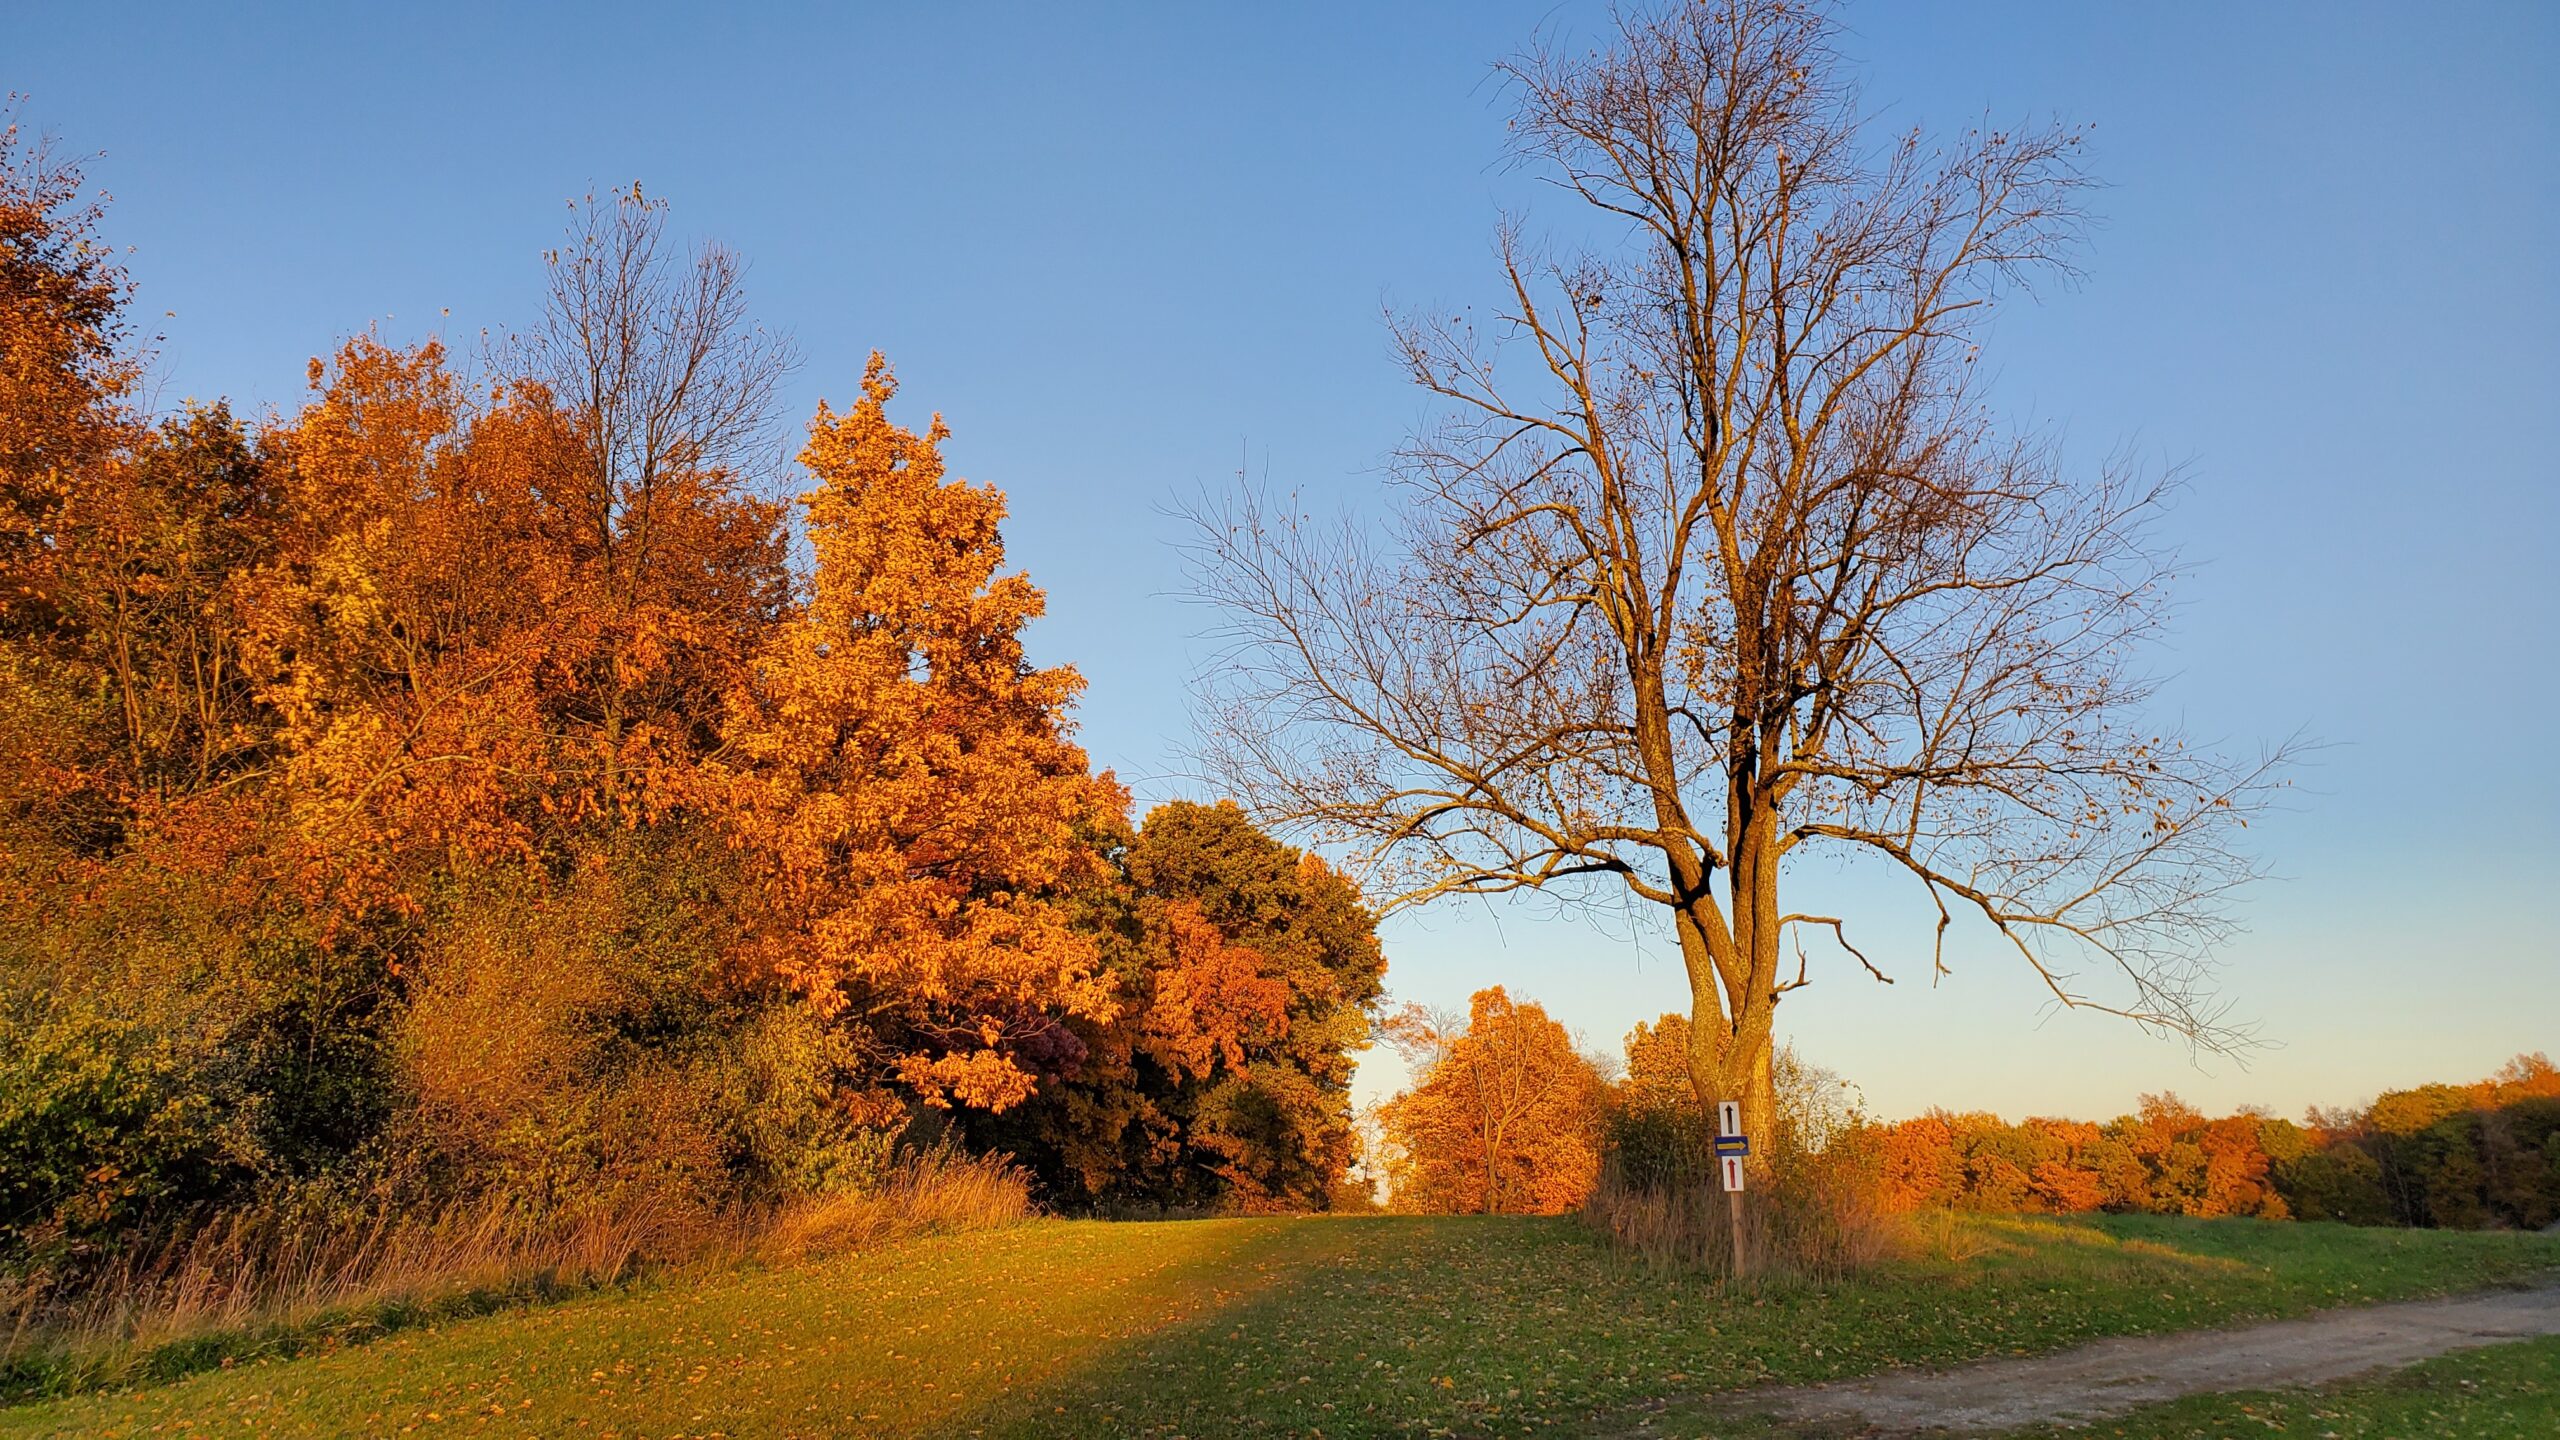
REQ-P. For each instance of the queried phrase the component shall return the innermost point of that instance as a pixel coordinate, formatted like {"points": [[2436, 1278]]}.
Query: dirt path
{"points": [[2113, 1376]]}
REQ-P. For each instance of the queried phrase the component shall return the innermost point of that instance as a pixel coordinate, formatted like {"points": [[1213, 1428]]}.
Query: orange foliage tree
{"points": [[432, 631], [1504, 1120], [65, 385], [901, 781]]}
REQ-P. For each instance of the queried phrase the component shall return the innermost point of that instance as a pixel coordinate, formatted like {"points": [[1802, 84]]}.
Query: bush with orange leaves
{"points": [[1504, 1117]]}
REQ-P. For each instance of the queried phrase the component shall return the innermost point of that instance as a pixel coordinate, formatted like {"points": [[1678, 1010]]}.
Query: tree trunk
{"points": [[1732, 1040]]}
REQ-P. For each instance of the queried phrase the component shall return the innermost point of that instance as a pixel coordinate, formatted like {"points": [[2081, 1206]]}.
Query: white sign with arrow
{"points": [[1731, 1145]]}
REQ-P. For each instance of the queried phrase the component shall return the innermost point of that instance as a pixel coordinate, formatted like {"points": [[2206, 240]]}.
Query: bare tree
{"points": [[656, 355], [671, 386], [1720, 559]]}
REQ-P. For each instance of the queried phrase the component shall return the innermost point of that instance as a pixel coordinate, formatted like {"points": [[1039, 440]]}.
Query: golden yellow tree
{"points": [[1505, 1119], [901, 777]]}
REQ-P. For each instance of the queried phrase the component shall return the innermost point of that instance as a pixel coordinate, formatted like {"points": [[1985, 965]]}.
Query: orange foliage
{"points": [[1916, 1163], [401, 638], [440, 703], [1506, 1118], [1657, 1075], [64, 376], [450, 651], [1212, 1001], [2166, 1158], [901, 779]]}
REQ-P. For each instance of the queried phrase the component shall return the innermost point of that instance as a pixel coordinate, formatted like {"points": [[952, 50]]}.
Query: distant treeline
{"points": [[2477, 1156], [2471, 1157]]}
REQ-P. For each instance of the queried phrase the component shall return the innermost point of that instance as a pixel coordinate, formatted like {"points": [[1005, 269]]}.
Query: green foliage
{"points": [[175, 1038], [1656, 1149], [2481, 1156], [1246, 973], [2343, 1183], [102, 1124]]}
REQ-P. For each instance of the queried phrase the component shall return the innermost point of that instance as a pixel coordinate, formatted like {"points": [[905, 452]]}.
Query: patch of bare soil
{"points": [[2114, 1376]]}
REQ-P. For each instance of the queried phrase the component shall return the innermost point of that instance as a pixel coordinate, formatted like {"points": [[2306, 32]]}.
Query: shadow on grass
{"points": [[1371, 1325], [1510, 1326]]}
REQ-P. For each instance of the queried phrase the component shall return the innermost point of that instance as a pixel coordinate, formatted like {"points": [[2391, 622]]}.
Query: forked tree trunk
{"points": [[1732, 963], [1729, 1062]]}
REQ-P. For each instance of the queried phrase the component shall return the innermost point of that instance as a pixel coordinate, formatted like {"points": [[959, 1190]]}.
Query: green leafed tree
{"points": [[1246, 973]]}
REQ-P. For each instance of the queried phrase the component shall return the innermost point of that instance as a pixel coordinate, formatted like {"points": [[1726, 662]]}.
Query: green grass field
{"points": [[1330, 1327]]}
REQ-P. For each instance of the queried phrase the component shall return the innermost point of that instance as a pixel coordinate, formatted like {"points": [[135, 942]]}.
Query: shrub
{"points": [[1816, 1210], [2342, 1183], [577, 1047], [169, 1041]]}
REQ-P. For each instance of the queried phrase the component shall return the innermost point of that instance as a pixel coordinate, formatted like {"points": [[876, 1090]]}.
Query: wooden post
{"points": [[1729, 1172], [1741, 1259]]}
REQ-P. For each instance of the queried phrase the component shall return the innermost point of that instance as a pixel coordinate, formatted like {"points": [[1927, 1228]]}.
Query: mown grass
{"points": [[2503, 1392], [1277, 1327]]}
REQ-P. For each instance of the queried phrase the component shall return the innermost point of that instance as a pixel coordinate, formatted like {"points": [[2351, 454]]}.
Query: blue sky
{"points": [[1128, 251]]}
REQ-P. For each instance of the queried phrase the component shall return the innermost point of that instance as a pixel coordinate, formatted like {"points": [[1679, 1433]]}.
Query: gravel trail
{"points": [[2114, 1376]]}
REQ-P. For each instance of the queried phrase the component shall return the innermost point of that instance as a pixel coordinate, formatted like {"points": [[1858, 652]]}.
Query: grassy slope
{"points": [[2503, 1392], [1336, 1327]]}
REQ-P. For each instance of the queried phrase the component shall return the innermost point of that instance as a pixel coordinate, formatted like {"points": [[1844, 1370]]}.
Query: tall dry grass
{"points": [[275, 1282], [1807, 1222], [931, 1192]]}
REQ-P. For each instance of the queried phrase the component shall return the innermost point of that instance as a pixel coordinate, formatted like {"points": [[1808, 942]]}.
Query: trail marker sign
{"points": [[1731, 1145]]}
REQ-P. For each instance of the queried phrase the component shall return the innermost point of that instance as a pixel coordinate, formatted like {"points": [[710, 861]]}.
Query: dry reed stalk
{"points": [[274, 1273]]}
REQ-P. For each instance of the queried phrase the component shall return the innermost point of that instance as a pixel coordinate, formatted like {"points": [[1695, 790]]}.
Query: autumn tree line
{"points": [[483, 783], [2480, 1156], [1510, 1115]]}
